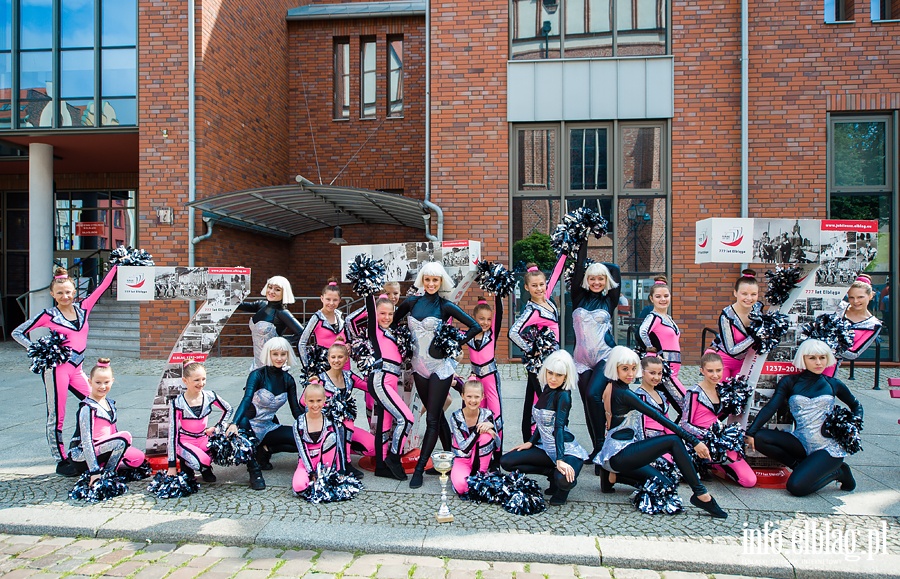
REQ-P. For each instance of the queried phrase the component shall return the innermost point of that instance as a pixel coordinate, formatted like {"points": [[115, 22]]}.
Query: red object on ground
{"points": [[894, 382], [408, 461], [158, 462], [772, 478], [895, 393]]}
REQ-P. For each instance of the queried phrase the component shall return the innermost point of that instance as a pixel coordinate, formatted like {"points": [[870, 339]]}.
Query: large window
{"points": [[368, 78], [588, 28], [341, 78], [395, 76]]}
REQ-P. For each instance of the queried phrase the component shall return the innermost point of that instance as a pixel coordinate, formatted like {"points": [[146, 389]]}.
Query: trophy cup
{"points": [[442, 462]]}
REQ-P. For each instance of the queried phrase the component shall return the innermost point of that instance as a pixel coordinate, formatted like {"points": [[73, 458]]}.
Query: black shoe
{"points": [[606, 486], [559, 498], [263, 456], [710, 506], [432, 470], [66, 467], [552, 489], [495, 462], [416, 480], [257, 482], [351, 470], [207, 475], [845, 477], [394, 466]]}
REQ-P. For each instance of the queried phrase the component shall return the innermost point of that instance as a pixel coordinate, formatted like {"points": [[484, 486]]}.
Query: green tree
{"points": [[535, 248]]}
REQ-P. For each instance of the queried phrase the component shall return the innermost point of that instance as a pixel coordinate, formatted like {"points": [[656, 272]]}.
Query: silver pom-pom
{"points": [[780, 283], [833, 329], [180, 485], [108, 486], [403, 339], [667, 469], [657, 497], [734, 395], [362, 352], [575, 228], [48, 352], [317, 359], [331, 486], [543, 343], [340, 407], [366, 275], [233, 450], [721, 438], [447, 342], [130, 256], [767, 328], [135, 473], [495, 278], [515, 492], [844, 427]]}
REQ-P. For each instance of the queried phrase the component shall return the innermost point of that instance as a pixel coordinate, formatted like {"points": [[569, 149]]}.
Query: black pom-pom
{"points": [[231, 450], [48, 352], [136, 473], [780, 283], [657, 497], [543, 343], [721, 438], [317, 359], [403, 338], [108, 486], [669, 469], [569, 270], [523, 495], [844, 427], [180, 485], [485, 487], [494, 278], [575, 228], [833, 329], [331, 486], [734, 395], [129, 256], [340, 407], [447, 342], [767, 328], [362, 352], [366, 275]]}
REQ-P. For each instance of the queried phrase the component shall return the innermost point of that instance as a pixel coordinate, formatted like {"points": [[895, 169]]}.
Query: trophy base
{"points": [[444, 518]]}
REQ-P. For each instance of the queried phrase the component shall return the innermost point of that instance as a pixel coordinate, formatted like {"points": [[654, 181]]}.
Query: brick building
{"points": [[506, 112]]}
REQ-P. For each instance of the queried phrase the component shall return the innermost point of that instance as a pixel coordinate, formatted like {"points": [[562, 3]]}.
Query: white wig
{"points": [[434, 268], [596, 269], [621, 356], [287, 295], [813, 347], [278, 344], [559, 362]]}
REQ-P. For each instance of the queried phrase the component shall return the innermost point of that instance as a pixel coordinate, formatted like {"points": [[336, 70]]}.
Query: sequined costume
{"points": [[651, 427], [734, 342], [97, 439], [69, 376], [814, 459], [472, 450], [187, 426], [267, 390], [314, 448], [270, 319], [482, 356], [322, 333], [865, 333], [661, 333], [349, 436]]}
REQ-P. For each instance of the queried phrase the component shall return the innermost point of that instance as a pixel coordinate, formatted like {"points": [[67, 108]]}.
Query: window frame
{"points": [[365, 75], [341, 64], [391, 39], [889, 146]]}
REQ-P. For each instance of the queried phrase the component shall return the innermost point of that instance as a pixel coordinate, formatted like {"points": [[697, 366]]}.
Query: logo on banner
{"points": [[136, 282], [703, 239], [733, 237]]}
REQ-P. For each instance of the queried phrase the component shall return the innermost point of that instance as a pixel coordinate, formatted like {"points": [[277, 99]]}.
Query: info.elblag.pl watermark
{"points": [[816, 538]]}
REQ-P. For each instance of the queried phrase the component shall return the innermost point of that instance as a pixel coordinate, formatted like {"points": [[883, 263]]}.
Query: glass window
{"points": [[642, 158], [395, 76], [836, 11], [5, 24], [118, 23], [35, 73], [76, 23], [34, 29], [641, 27], [77, 113], [588, 159], [119, 112], [885, 10], [858, 154], [119, 72], [536, 158], [76, 75], [368, 77], [341, 79], [588, 28], [641, 236], [535, 31]]}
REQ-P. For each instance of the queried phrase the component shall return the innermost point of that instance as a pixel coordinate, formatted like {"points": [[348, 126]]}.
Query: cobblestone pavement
{"points": [[55, 557]]}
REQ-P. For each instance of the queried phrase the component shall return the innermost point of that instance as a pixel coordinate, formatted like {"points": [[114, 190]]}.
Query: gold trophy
{"points": [[443, 462]]}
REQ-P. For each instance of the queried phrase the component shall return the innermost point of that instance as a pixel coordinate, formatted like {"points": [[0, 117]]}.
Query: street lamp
{"points": [[637, 215]]}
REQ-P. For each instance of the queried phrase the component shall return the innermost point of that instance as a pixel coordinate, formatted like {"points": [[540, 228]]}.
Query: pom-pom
{"points": [[331, 486], [494, 278], [543, 343], [362, 352], [340, 407], [403, 338], [108, 486], [720, 439], [667, 469], [657, 497], [780, 283], [833, 329], [523, 495], [166, 486], [317, 359], [231, 450], [767, 328], [366, 275], [575, 228], [569, 270], [447, 342], [844, 427], [734, 395], [135, 473], [485, 487], [130, 256], [48, 352]]}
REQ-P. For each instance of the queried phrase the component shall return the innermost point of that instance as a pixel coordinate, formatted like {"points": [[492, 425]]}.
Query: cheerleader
{"points": [[98, 446], [813, 459], [541, 312], [552, 450], [268, 389], [314, 436], [625, 449], [866, 326], [71, 321], [432, 374], [189, 429], [735, 341], [326, 324], [654, 394], [482, 352], [474, 436], [660, 334], [702, 409], [270, 318]]}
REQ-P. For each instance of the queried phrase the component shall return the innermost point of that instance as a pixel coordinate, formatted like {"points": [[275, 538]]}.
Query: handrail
{"points": [[703, 342], [75, 272]]}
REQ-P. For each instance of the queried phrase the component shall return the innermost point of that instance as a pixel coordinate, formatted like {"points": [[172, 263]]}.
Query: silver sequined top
{"points": [[422, 363], [266, 404], [612, 446], [591, 328], [261, 332], [545, 422], [809, 414]]}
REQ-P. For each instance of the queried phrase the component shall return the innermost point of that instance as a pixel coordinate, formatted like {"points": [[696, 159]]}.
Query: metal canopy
{"points": [[289, 210], [357, 10]]}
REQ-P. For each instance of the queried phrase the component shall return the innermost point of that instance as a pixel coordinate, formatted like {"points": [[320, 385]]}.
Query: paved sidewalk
{"points": [[389, 517]]}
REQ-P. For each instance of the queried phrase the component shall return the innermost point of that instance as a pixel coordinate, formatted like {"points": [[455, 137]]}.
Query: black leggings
{"points": [[280, 440], [433, 392], [535, 461], [591, 385], [634, 460], [532, 393], [810, 472]]}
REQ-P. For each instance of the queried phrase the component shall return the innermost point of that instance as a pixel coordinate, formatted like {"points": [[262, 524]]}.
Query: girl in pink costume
{"points": [[702, 409], [539, 311], [659, 332], [326, 324], [482, 352], [315, 437], [735, 341], [189, 429], [474, 437], [866, 326], [70, 320], [655, 396], [97, 443]]}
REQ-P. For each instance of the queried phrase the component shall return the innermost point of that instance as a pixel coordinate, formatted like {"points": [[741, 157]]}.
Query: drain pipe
{"points": [[192, 139], [745, 81], [427, 203], [209, 231]]}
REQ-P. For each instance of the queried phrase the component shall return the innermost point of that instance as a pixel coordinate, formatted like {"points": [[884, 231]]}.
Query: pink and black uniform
{"points": [[97, 440], [472, 450], [865, 333], [734, 342], [482, 356], [323, 333], [187, 425], [541, 317], [69, 376], [651, 426], [349, 436], [661, 333], [698, 414], [314, 448]]}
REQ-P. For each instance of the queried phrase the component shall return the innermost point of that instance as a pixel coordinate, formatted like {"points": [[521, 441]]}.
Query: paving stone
{"points": [[185, 573], [298, 554], [194, 549], [116, 556], [253, 574], [294, 568], [92, 569], [467, 565], [153, 572], [529, 576], [39, 550], [209, 575], [223, 552], [88, 544], [422, 561], [203, 562], [555, 570], [175, 559], [47, 576], [684, 575], [431, 573], [393, 571], [23, 539], [58, 541], [155, 551], [507, 566], [46, 561], [721, 576], [266, 564], [263, 553], [362, 567], [494, 574], [588, 572], [229, 565], [332, 561], [635, 574], [19, 573], [125, 569]]}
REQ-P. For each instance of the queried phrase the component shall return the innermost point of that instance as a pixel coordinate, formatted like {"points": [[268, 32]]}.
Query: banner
{"points": [[720, 240]]}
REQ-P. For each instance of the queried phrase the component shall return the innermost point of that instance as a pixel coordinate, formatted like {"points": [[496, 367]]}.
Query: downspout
{"points": [[192, 139], [427, 203], [745, 149], [209, 231]]}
